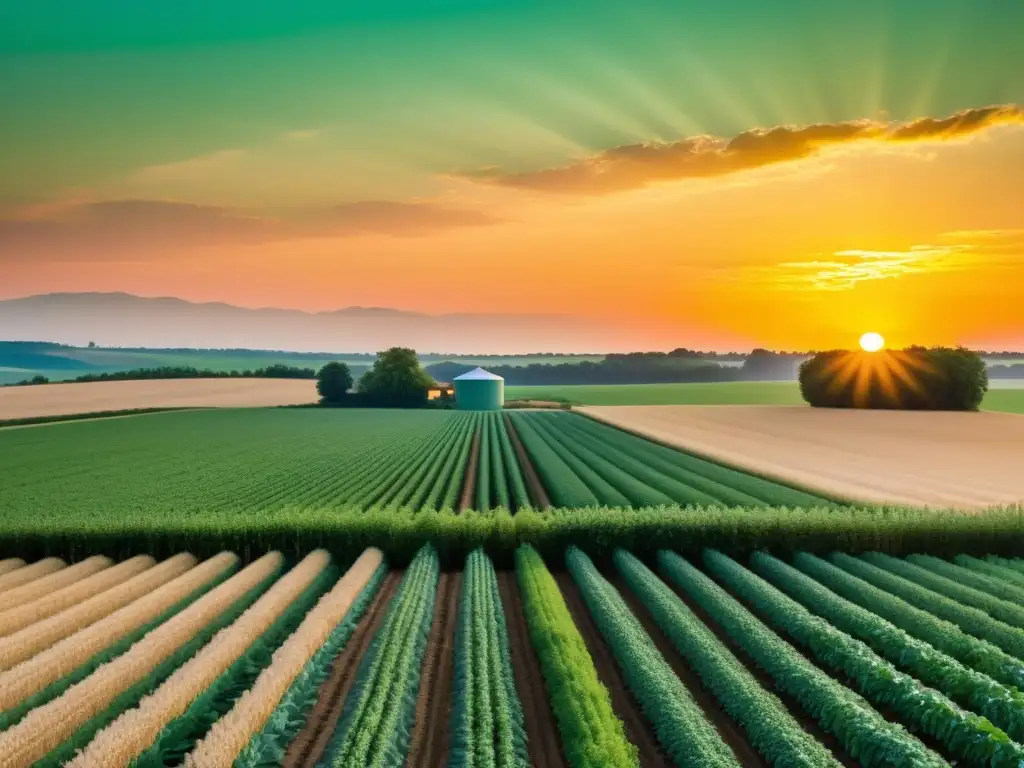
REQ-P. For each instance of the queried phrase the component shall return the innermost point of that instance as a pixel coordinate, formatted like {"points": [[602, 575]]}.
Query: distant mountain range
{"points": [[124, 320]]}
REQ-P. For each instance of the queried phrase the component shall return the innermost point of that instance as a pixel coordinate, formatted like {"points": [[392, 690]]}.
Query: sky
{"points": [[710, 175]]}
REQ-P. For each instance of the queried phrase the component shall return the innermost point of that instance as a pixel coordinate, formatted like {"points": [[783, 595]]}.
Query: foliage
{"points": [[975, 691], [333, 382], [685, 734], [971, 620], [592, 736], [378, 712], [396, 380], [912, 379], [769, 726], [960, 731], [276, 371], [866, 736], [943, 635], [487, 716]]}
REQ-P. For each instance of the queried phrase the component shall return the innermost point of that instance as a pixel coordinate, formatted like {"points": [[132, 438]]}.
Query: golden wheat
{"points": [[231, 733], [27, 573], [26, 643], [10, 564], [58, 660], [57, 580], [136, 730], [19, 617], [50, 725]]}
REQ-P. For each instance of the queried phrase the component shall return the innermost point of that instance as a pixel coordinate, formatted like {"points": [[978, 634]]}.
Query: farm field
{"points": [[1005, 395], [935, 459], [689, 660], [106, 396]]}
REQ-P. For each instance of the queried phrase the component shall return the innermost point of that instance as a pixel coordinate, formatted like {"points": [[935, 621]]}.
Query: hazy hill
{"points": [[123, 320]]}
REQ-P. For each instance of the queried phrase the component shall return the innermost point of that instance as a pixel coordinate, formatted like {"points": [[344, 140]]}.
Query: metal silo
{"points": [[479, 390]]}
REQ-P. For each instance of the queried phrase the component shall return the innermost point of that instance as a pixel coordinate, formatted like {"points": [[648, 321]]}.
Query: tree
{"points": [[92, 345], [333, 382], [396, 380]]}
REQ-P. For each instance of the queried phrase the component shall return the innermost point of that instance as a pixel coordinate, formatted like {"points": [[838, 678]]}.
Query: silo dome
{"points": [[479, 390]]}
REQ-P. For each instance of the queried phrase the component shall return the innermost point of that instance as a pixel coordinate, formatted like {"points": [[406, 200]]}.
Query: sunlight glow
{"points": [[872, 342]]}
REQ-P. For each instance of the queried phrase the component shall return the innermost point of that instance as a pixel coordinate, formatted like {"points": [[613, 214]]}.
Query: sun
{"points": [[871, 342]]}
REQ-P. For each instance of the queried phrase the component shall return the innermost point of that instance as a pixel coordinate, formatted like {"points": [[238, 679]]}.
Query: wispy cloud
{"points": [[843, 270], [638, 165], [193, 168], [139, 228], [303, 134]]}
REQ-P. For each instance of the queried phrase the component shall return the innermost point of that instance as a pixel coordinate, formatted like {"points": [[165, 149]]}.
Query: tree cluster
{"points": [[916, 378], [396, 380]]}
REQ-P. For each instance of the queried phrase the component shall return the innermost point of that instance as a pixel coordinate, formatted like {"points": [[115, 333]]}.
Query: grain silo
{"points": [[479, 390]]}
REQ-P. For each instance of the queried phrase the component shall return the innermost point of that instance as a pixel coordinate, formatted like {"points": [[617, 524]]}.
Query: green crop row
{"points": [[592, 736], [995, 591], [487, 716], [866, 736], [995, 607], [973, 621], [976, 691], [769, 726], [619, 468], [943, 635], [963, 733], [991, 567], [685, 734], [377, 717], [269, 745], [499, 478], [346, 531]]}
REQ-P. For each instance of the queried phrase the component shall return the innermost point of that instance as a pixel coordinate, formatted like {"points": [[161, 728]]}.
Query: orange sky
{"points": [[922, 241]]}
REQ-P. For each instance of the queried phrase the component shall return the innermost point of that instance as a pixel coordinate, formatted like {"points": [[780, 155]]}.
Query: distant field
{"points": [[1006, 395], [62, 399], [729, 393], [935, 459]]}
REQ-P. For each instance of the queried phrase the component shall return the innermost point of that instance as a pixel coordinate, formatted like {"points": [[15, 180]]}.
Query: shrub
{"points": [[938, 379], [333, 382]]}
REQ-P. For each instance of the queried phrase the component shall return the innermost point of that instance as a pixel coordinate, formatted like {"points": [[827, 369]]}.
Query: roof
{"points": [[478, 374]]}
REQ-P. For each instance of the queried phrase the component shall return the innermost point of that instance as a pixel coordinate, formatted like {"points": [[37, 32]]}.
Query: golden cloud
{"points": [[638, 165]]}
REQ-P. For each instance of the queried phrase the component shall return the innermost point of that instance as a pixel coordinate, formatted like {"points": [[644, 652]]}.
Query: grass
{"points": [[727, 393]]}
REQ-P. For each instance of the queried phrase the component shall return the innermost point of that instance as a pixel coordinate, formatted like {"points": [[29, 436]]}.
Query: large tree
{"points": [[396, 380], [333, 382]]}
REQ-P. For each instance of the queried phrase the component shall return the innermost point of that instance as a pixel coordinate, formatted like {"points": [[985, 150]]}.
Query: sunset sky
{"points": [[712, 175]]}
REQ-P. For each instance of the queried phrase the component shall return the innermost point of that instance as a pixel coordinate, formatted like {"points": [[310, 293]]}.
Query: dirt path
{"points": [[808, 723], [542, 739], [940, 459], [533, 484], [730, 731], [638, 730], [309, 744], [469, 483], [431, 733]]}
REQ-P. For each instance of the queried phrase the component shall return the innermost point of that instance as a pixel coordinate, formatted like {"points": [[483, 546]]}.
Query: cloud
{"points": [[843, 270], [637, 165], [140, 228], [304, 134], [187, 170]]}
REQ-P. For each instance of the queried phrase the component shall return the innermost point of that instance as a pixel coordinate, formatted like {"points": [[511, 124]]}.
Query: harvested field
{"points": [[96, 397], [934, 459]]}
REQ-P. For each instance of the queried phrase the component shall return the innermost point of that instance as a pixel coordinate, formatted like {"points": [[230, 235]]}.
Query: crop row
{"points": [[585, 463], [499, 479], [219, 667]]}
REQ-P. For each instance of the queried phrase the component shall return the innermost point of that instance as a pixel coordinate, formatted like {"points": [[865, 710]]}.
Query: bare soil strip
{"points": [[808, 723], [940, 459], [533, 484], [65, 399], [431, 733], [542, 739], [638, 729], [309, 744], [469, 481]]}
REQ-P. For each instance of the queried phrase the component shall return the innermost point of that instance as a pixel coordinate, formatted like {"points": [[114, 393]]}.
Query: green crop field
{"points": [[333, 587]]}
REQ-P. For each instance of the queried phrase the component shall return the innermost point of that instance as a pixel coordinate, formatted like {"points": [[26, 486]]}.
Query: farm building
{"points": [[479, 390]]}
